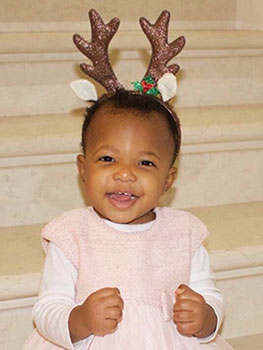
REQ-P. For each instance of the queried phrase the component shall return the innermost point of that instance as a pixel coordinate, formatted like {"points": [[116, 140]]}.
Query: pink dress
{"points": [[147, 267]]}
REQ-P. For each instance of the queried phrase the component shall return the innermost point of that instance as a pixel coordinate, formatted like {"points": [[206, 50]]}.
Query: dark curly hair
{"points": [[127, 99]]}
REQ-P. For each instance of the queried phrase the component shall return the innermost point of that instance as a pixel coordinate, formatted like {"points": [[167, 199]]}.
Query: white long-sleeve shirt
{"points": [[57, 292]]}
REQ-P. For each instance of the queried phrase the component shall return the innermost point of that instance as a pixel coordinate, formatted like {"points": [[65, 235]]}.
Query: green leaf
{"points": [[137, 85], [149, 79], [154, 91]]}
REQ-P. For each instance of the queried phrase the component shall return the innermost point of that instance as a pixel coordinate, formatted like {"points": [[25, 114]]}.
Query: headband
{"points": [[159, 78]]}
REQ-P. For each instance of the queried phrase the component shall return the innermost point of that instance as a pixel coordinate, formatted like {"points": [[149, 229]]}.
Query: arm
{"points": [[57, 299], [56, 314], [202, 283]]}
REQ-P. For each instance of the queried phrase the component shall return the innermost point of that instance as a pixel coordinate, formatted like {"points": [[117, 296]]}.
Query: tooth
{"points": [[126, 194]]}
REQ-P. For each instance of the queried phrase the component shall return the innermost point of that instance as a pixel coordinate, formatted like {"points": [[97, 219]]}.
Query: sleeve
{"points": [[199, 232], [202, 282], [57, 299], [63, 231]]}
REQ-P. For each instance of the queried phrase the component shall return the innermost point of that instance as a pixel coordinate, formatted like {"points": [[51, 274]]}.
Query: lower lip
{"points": [[121, 202]]}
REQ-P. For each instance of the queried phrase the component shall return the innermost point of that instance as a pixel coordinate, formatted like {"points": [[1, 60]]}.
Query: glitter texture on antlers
{"points": [[159, 78]]}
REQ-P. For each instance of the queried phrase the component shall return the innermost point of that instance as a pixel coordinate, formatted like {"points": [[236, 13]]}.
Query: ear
{"points": [[171, 176], [81, 166]]}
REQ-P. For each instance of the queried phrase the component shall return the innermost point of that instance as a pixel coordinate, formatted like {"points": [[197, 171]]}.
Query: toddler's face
{"points": [[126, 167]]}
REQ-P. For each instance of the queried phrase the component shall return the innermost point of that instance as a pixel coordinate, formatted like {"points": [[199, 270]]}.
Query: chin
{"points": [[120, 218]]}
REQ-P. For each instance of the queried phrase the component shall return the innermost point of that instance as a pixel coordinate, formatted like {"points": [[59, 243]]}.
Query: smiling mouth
{"points": [[122, 200], [122, 196]]}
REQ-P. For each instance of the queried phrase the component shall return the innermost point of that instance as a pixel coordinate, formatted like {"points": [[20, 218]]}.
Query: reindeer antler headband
{"points": [[159, 77]]}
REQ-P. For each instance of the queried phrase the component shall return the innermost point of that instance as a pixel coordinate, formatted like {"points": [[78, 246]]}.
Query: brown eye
{"points": [[146, 163], [107, 159]]}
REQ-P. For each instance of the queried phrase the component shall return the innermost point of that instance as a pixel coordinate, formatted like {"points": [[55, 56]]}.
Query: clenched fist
{"points": [[192, 315], [99, 314]]}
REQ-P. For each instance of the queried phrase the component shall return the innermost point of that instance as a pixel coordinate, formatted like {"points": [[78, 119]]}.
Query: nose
{"points": [[125, 174]]}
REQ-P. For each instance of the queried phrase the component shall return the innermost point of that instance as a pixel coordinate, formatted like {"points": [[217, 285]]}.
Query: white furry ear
{"points": [[84, 89], [167, 85]]}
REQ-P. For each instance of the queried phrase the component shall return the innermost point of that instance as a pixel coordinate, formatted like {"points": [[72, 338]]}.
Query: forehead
{"points": [[109, 121]]}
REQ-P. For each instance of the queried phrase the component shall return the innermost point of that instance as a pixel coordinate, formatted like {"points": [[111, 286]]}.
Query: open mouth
{"points": [[121, 196], [122, 200]]}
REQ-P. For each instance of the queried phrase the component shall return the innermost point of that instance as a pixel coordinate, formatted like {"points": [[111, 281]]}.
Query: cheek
{"points": [[96, 178], [155, 184]]}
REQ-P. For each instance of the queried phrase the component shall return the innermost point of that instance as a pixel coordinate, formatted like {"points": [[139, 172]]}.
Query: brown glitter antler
{"points": [[162, 52], [97, 51]]}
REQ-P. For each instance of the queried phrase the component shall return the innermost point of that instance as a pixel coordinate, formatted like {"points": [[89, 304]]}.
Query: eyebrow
{"points": [[114, 149], [149, 153], [106, 148]]}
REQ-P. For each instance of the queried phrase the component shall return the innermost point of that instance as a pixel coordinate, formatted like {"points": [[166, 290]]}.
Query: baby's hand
{"points": [[192, 315], [99, 314], [102, 311]]}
